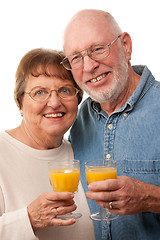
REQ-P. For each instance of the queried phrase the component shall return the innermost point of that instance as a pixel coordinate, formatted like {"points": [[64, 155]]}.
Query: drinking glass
{"points": [[64, 177], [99, 170]]}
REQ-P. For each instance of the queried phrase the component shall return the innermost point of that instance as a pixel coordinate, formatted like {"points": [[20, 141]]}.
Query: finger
{"points": [[53, 196], [60, 222], [66, 209], [102, 196], [53, 212], [106, 185], [56, 208], [57, 204], [112, 205]]}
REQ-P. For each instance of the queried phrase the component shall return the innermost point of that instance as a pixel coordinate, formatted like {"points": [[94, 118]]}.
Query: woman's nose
{"points": [[54, 100]]}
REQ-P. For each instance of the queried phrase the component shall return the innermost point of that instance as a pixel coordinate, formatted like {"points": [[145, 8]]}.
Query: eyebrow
{"points": [[95, 44], [64, 85]]}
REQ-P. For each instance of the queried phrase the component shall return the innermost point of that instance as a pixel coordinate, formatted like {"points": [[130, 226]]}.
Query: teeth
{"points": [[93, 80], [53, 115], [98, 78]]}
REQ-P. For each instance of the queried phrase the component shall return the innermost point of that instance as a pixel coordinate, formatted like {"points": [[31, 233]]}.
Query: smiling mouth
{"points": [[98, 78], [54, 115]]}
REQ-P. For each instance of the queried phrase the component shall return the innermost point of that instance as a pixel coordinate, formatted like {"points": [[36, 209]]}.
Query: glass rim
{"points": [[112, 162], [56, 162]]}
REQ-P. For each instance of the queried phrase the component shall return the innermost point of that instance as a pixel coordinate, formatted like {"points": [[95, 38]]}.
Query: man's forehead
{"points": [[82, 36]]}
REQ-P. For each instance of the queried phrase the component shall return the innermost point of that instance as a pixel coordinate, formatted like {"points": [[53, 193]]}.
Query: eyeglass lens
{"points": [[42, 94], [96, 52]]}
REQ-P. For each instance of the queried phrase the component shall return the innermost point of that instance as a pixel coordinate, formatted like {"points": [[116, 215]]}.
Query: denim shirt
{"points": [[130, 135]]}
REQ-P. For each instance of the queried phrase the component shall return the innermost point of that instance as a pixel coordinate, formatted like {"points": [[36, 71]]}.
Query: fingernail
{"points": [[90, 187]]}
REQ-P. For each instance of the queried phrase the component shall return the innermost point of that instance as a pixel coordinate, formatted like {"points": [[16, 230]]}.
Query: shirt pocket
{"points": [[142, 166], [145, 170]]}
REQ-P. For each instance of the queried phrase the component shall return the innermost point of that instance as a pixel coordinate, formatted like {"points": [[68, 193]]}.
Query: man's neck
{"points": [[111, 106]]}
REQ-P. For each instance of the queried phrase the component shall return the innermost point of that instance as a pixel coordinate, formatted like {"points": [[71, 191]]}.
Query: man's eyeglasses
{"points": [[95, 52], [40, 94]]}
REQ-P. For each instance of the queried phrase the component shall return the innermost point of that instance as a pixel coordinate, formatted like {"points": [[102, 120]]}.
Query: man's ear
{"points": [[127, 45]]}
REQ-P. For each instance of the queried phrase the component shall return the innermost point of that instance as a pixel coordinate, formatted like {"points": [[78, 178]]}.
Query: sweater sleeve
{"points": [[16, 226]]}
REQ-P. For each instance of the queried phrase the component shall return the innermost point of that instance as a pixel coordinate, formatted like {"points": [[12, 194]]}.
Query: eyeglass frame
{"points": [[50, 93], [86, 50]]}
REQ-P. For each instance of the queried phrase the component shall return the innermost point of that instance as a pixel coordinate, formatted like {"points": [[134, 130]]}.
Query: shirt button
{"points": [[110, 126], [125, 114], [108, 156]]}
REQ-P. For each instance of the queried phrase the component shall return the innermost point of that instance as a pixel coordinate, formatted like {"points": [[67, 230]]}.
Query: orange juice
{"points": [[100, 174], [65, 179]]}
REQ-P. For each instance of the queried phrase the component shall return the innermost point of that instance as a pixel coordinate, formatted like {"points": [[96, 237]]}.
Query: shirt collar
{"points": [[144, 85]]}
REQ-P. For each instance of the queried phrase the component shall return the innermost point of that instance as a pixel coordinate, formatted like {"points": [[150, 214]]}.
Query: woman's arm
{"points": [[23, 223], [16, 226]]}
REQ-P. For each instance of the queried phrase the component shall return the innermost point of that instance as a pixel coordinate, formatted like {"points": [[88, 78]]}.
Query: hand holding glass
{"points": [[99, 170], [64, 177]]}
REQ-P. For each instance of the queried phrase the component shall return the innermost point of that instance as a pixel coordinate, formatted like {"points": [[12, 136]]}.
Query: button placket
{"points": [[109, 132]]}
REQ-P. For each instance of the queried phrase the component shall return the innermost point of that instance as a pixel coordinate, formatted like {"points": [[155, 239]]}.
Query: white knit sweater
{"points": [[23, 177]]}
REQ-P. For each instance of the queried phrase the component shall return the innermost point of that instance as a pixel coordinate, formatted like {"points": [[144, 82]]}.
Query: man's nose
{"points": [[89, 64]]}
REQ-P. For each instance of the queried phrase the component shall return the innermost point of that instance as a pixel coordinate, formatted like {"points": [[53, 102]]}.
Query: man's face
{"points": [[103, 80]]}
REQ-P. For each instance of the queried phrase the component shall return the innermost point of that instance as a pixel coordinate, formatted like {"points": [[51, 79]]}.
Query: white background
{"points": [[29, 24]]}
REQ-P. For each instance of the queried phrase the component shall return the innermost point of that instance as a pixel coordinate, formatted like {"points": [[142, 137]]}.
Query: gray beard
{"points": [[119, 83]]}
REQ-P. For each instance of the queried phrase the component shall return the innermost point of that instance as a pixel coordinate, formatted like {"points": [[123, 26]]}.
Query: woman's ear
{"points": [[21, 112], [127, 45]]}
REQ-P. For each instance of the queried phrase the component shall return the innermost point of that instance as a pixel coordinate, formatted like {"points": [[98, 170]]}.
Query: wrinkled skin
{"points": [[128, 195], [43, 211]]}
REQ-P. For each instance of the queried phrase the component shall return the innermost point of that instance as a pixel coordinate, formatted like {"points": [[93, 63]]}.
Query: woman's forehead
{"points": [[50, 70]]}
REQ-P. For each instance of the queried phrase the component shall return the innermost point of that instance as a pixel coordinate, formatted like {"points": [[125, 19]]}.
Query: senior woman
{"points": [[48, 99]]}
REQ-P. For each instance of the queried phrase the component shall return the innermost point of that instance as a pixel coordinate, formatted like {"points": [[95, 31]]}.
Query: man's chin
{"points": [[98, 98]]}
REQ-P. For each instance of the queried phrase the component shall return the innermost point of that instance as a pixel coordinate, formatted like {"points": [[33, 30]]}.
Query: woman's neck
{"points": [[24, 135]]}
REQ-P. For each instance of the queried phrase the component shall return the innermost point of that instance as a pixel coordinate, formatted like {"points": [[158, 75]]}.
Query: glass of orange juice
{"points": [[99, 170], [64, 177]]}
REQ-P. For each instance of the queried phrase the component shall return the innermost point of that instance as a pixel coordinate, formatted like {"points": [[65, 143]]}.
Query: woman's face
{"points": [[53, 117]]}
